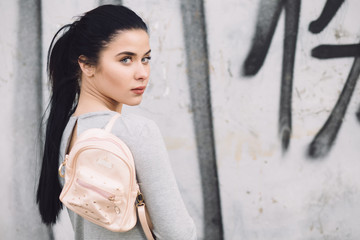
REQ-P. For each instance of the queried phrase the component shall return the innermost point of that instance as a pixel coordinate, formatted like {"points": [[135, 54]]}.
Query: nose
{"points": [[142, 71]]}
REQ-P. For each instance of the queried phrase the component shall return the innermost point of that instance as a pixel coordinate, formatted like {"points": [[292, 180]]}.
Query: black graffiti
{"points": [[329, 11], [292, 16], [324, 139], [336, 51], [198, 74], [268, 16]]}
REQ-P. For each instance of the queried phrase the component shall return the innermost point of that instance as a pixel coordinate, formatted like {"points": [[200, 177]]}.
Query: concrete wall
{"points": [[258, 112]]}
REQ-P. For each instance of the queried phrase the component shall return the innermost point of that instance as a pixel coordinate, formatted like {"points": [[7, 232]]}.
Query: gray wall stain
{"points": [[26, 121], [198, 76]]}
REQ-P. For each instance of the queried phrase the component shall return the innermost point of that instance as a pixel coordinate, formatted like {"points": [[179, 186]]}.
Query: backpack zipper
{"points": [[63, 164], [103, 193]]}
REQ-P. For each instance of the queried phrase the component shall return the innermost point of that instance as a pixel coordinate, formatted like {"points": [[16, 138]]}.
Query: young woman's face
{"points": [[123, 69]]}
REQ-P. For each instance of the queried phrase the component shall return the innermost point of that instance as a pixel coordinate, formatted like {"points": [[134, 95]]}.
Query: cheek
{"points": [[149, 70], [116, 77]]}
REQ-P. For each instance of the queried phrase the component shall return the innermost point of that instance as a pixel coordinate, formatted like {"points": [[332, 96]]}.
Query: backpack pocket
{"points": [[93, 203]]}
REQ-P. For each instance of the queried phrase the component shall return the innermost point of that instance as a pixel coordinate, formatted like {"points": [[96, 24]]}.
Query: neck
{"points": [[89, 102]]}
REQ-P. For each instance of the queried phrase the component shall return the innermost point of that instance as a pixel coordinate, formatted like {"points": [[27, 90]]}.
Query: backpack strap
{"points": [[111, 122], [145, 222], [140, 205], [144, 217]]}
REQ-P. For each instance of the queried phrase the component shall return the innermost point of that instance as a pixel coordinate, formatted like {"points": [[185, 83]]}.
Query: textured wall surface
{"points": [[257, 102]]}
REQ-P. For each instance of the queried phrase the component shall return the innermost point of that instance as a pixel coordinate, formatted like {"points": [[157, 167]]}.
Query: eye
{"points": [[126, 60], [146, 59]]}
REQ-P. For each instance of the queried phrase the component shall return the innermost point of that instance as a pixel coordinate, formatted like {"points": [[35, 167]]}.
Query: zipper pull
{"points": [[63, 164], [139, 199]]}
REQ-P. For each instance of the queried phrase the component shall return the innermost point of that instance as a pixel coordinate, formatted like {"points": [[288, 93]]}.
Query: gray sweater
{"points": [[157, 182]]}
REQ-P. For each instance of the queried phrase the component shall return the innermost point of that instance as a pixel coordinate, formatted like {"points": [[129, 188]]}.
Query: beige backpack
{"points": [[100, 181]]}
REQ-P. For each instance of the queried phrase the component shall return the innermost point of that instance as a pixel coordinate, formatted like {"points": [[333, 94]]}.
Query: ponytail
{"points": [[87, 36], [63, 74]]}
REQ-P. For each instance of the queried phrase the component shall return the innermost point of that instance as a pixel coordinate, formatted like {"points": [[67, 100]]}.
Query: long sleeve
{"points": [[158, 185]]}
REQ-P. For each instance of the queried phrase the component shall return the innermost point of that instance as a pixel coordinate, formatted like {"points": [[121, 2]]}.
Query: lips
{"points": [[138, 90]]}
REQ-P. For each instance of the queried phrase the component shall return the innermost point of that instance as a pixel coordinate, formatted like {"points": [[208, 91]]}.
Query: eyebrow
{"points": [[131, 53]]}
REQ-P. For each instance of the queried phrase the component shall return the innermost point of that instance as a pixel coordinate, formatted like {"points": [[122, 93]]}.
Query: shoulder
{"points": [[137, 120], [134, 125], [141, 134], [128, 126]]}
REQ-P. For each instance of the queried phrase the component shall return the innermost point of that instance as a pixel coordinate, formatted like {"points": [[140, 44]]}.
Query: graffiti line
{"points": [[336, 51], [267, 19], [323, 141], [199, 85], [292, 15], [329, 11]]}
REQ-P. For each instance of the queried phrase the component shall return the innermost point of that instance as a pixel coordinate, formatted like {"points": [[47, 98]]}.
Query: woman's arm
{"points": [[158, 185]]}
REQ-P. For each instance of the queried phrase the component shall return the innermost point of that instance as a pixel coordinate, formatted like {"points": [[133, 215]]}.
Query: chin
{"points": [[133, 103]]}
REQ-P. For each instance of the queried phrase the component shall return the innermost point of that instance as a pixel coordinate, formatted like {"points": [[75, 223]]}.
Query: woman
{"points": [[100, 63]]}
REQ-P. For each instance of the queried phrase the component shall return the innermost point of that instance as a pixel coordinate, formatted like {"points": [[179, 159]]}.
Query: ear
{"points": [[86, 67]]}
